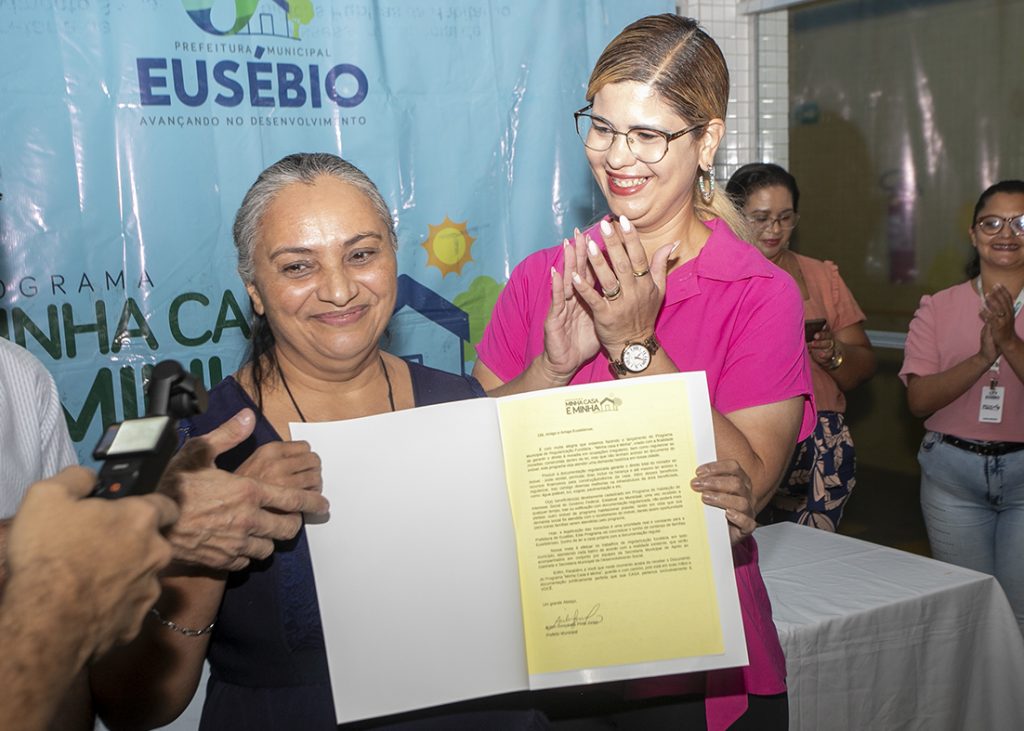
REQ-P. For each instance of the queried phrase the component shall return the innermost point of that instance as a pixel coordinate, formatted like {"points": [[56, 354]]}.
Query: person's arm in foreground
{"points": [[82, 575], [227, 520]]}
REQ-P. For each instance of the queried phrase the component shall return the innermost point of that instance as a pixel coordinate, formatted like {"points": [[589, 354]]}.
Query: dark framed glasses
{"points": [[647, 145], [761, 221]]}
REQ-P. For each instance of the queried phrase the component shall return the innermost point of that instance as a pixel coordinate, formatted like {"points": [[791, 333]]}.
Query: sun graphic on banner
{"points": [[448, 246]]}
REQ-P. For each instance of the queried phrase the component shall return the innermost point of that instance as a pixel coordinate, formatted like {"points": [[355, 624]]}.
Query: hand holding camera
{"points": [[135, 452]]}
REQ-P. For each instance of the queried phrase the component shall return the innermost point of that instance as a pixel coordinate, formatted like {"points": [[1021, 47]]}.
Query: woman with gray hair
{"points": [[317, 252]]}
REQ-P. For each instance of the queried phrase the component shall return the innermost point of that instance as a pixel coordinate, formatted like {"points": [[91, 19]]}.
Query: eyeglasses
{"points": [[991, 225], [647, 145], [762, 221]]}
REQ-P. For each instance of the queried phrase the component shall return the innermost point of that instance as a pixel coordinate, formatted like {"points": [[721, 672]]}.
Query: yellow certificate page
{"points": [[611, 539]]}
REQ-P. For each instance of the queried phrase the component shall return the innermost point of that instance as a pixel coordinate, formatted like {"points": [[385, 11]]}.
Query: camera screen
{"points": [[137, 435]]}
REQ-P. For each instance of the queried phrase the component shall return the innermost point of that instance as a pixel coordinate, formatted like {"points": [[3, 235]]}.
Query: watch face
{"points": [[636, 358]]}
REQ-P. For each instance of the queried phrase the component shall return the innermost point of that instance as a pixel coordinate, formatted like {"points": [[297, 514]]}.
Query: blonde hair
{"points": [[684, 65]]}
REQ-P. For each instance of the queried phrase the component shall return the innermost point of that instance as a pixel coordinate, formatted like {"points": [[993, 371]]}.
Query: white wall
{"points": [[756, 50]]}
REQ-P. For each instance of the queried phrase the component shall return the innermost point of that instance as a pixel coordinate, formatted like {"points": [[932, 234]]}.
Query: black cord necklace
{"points": [[284, 381]]}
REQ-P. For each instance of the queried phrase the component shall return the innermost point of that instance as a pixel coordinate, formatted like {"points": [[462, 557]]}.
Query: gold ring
{"points": [[641, 274], [614, 294]]}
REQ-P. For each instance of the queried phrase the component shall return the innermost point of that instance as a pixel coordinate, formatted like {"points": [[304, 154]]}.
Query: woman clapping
{"points": [[664, 285], [964, 366]]}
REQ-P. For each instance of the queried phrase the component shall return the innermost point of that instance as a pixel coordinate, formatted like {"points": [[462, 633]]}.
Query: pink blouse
{"points": [[828, 297], [733, 314], [945, 331]]}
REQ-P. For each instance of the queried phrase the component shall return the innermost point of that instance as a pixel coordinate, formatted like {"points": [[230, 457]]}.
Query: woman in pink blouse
{"points": [[661, 286], [964, 369], [821, 474]]}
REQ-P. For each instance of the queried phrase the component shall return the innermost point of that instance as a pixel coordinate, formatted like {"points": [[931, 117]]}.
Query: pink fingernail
{"points": [[591, 246], [606, 228], [576, 278], [624, 222]]}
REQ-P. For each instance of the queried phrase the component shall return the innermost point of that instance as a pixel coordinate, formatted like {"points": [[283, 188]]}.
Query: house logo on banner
{"points": [[284, 21], [249, 60]]}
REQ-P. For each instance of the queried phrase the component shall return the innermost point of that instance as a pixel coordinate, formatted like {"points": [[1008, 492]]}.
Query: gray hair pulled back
{"points": [[305, 168]]}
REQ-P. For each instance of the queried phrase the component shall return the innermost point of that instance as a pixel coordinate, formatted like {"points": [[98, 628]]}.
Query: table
{"points": [[877, 638]]}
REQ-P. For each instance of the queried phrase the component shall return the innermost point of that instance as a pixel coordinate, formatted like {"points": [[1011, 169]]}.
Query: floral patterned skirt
{"points": [[820, 477]]}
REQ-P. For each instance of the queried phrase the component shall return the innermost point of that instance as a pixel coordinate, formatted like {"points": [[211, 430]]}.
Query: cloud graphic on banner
{"points": [[274, 19], [448, 246]]}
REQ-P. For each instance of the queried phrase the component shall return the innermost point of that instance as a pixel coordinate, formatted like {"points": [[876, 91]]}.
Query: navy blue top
{"points": [[268, 665]]}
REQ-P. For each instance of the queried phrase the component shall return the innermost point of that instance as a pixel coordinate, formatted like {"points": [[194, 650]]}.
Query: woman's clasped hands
{"points": [[602, 298], [998, 314]]}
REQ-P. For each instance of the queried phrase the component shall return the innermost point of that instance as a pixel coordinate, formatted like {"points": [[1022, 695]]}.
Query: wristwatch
{"points": [[635, 357]]}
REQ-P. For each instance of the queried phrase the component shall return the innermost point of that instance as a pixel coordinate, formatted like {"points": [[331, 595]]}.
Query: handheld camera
{"points": [[135, 452]]}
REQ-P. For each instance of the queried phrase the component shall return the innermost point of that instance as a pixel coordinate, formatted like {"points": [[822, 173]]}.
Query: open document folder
{"points": [[533, 541]]}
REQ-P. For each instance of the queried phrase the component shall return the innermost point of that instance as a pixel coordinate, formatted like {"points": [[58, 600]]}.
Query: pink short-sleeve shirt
{"points": [[828, 297], [735, 315], [945, 331], [727, 312]]}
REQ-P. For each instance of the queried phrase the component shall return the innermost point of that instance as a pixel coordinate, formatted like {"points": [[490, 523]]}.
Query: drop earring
{"points": [[707, 191]]}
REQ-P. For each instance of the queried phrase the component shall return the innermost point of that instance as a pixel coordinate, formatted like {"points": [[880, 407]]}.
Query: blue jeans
{"points": [[974, 511]]}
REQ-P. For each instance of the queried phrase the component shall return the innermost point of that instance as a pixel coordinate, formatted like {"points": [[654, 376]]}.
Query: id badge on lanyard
{"points": [[991, 411]]}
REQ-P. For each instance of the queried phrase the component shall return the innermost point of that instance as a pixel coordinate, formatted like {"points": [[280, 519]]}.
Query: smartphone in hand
{"points": [[813, 326]]}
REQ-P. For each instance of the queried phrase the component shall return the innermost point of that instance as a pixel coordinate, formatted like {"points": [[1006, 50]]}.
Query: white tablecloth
{"points": [[879, 639], [876, 638]]}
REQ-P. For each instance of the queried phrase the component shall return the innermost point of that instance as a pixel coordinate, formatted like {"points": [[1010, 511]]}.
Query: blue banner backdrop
{"points": [[129, 132]]}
